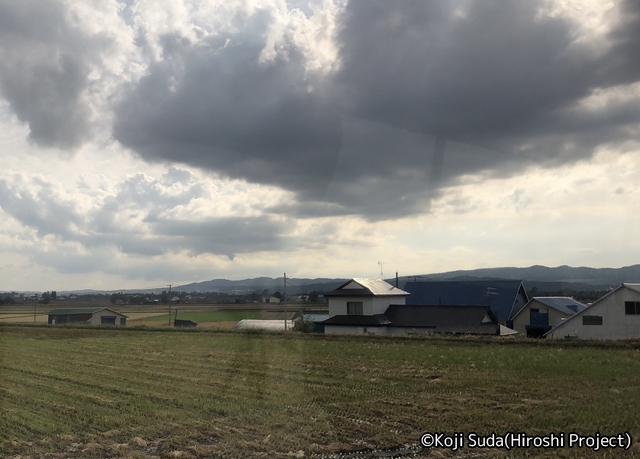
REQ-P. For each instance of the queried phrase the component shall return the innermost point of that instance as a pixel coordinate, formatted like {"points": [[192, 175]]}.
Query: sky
{"points": [[147, 143]]}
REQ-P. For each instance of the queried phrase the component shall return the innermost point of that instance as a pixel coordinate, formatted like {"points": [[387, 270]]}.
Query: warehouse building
{"points": [[93, 316]]}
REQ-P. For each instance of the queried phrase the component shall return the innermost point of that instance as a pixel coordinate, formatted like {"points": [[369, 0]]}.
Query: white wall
{"points": [[370, 305], [381, 303], [96, 319], [615, 323], [409, 331], [351, 330], [338, 305]]}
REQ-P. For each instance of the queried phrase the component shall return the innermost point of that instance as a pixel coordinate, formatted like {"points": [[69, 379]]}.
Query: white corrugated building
{"points": [[258, 324], [614, 316], [93, 316]]}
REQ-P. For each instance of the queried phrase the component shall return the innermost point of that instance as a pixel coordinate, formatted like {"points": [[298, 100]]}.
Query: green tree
{"points": [[303, 325]]}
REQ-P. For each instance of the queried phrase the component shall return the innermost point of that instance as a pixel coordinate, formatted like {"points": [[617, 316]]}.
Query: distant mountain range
{"points": [[593, 276], [294, 286], [540, 277]]}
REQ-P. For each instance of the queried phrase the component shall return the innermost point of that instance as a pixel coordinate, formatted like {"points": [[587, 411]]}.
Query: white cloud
{"points": [[79, 210]]}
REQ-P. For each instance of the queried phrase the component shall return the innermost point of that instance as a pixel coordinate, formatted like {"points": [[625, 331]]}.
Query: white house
{"points": [[374, 306], [358, 302], [614, 316], [270, 299]]}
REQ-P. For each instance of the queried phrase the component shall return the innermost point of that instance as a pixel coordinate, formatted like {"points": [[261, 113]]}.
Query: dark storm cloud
{"points": [[492, 75], [45, 62], [486, 73], [214, 105], [622, 64], [496, 85]]}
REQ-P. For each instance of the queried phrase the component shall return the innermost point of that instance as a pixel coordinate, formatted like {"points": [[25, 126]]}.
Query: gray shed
{"points": [[94, 316]]}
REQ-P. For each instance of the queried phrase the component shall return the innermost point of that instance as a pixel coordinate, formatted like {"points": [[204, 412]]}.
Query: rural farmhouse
{"points": [[375, 306]]}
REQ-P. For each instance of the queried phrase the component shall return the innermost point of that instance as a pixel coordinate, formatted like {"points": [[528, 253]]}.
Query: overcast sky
{"points": [[153, 142]]}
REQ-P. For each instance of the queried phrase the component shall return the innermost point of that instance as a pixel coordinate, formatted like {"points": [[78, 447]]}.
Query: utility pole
{"points": [[35, 310], [285, 301], [169, 298]]}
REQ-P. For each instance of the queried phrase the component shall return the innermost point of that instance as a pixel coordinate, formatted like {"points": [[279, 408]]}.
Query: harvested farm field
{"points": [[74, 392]]}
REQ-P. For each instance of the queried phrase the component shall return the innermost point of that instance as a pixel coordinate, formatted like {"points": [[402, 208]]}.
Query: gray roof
{"points": [[70, 311], [563, 304], [368, 287], [635, 287], [315, 317], [478, 320]]}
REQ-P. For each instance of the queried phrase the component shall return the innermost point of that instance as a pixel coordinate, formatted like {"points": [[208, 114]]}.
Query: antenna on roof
{"points": [[381, 263]]}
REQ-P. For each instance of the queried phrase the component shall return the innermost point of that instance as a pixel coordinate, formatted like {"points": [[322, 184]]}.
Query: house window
{"points": [[539, 317], [632, 307], [591, 320], [354, 308]]}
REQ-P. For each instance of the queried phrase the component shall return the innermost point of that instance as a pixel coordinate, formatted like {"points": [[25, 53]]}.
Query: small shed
{"points": [[93, 316], [270, 300], [184, 323]]}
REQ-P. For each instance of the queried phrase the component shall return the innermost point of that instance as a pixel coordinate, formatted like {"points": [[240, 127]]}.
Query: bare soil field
{"points": [[97, 392]]}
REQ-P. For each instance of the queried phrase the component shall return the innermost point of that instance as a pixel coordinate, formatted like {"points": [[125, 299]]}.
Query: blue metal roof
{"points": [[563, 304], [501, 295]]}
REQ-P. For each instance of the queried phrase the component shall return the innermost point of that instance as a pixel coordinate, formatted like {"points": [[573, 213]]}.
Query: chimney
{"points": [[397, 279]]}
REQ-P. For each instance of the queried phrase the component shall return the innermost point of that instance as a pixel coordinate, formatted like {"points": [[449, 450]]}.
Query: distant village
{"points": [[157, 298], [377, 307]]}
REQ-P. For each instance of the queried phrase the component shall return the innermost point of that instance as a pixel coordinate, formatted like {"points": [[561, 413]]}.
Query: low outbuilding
{"points": [[178, 323], [410, 319], [258, 324], [93, 316]]}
